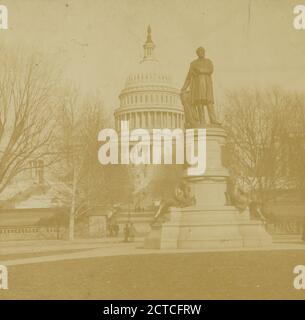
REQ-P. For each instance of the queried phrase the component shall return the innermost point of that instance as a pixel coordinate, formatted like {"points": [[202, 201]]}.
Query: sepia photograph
{"points": [[152, 150]]}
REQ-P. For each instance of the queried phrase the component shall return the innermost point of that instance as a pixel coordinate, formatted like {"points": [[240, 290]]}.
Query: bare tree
{"points": [[67, 146], [26, 99], [83, 184], [295, 141], [257, 126]]}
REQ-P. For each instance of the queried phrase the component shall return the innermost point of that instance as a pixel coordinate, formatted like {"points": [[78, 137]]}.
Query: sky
{"points": [[97, 43]]}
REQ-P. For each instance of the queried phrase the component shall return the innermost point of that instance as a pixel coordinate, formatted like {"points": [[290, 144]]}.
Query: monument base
{"points": [[210, 223], [207, 227]]}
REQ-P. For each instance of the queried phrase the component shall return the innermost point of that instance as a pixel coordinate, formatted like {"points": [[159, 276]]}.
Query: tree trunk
{"points": [[72, 209]]}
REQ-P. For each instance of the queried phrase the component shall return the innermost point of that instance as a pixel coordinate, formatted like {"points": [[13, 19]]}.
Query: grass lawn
{"points": [[225, 275]]}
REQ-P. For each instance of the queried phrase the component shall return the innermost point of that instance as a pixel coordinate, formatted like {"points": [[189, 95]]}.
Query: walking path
{"points": [[101, 248], [36, 246]]}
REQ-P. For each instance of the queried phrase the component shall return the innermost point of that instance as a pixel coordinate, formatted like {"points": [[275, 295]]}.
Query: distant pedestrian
{"points": [[126, 232], [116, 229], [113, 227], [129, 232]]}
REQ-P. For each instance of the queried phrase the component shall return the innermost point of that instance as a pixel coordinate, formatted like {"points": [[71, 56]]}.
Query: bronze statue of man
{"points": [[199, 81]]}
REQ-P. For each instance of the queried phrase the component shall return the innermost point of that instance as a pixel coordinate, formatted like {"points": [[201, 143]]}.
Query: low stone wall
{"points": [[30, 233]]}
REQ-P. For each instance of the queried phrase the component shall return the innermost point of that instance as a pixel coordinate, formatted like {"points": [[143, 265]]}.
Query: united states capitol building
{"points": [[149, 98]]}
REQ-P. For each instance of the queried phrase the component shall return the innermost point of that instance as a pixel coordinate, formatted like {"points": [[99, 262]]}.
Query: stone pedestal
{"points": [[211, 223]]}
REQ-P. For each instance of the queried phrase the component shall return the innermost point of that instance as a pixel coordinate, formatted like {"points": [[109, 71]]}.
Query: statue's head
{"points": [[200, 52]]}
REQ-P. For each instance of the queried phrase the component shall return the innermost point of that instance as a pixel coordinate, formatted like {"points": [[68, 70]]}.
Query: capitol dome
{"points": [[149, 98], [149, 72]]}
